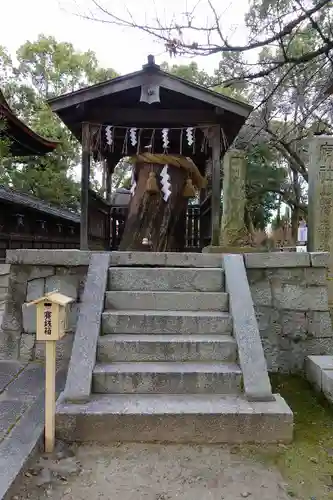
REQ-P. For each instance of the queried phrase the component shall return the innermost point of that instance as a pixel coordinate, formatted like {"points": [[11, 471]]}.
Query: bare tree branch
{"points": [[164, 33]]}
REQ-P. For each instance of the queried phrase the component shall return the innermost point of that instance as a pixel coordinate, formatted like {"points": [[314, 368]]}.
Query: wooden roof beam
{"points": [[153, 116]]}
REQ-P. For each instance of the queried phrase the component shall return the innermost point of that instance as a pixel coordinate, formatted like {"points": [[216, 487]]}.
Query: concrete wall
{"points": [[289, 291]]}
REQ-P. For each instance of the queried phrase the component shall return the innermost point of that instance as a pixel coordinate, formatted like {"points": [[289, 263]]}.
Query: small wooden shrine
{"points": [[172, 131], [22, 140]]}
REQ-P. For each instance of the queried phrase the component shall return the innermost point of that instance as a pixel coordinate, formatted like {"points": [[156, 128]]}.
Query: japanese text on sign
{"points": [[47, 318]]}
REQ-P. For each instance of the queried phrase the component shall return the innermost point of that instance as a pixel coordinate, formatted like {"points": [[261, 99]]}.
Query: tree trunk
{"points": [[295, 215], [149, 216]]}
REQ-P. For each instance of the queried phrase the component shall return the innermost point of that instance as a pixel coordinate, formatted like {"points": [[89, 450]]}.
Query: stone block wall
{"points": [[4, 281], [289, 291], [45, 279], [42, 280], [30, 277]]}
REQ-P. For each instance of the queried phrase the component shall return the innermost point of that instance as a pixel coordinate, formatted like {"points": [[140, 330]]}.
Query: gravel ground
{"points": [[150, 472]]}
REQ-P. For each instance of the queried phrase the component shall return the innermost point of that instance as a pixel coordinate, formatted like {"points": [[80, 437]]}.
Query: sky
{"points": [[123, 49]]}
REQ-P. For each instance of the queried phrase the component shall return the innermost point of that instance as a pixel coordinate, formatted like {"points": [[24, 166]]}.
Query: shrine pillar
{"points": [[234, 199], [85, 176], [321, 194], [320, 207]]}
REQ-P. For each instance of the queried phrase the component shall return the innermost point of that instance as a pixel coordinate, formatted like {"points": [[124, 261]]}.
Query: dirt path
{"points": [[153, 472]]}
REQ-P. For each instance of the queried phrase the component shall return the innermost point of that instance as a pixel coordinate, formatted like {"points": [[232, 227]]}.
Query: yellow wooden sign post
{"points": [[52, 314]]}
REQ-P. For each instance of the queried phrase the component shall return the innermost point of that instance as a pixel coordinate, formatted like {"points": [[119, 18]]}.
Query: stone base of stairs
{"points": [[175, 418]]}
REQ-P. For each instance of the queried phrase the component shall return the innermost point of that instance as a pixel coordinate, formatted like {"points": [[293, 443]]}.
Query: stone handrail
{"points": [[252, 361], [83, 358]]}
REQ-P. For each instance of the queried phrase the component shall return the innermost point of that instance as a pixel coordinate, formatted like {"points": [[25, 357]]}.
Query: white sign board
{"points": [[302, 234]]}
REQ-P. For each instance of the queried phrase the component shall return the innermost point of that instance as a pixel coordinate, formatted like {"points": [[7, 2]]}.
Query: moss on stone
{"points": [[307, 463]]}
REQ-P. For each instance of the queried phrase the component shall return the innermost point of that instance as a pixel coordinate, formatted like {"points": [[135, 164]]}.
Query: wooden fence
{"points": [[192, 241], [26, 222]]}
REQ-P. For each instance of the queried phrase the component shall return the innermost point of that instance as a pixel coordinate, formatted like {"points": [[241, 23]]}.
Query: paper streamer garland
{"points": [[161, 138], [165, 182], [109, 134], [189, 136], [133, 138], [165, 138]]}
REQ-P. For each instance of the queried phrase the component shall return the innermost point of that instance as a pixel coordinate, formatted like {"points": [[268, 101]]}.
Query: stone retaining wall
{"points": [[289, 291], [28, 281], [44, 279], [4, 280]]}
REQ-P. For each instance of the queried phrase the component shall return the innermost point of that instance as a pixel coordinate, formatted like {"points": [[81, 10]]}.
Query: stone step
{"points": [[164, 301], [166, 322], [129, 347], [166, 377], [175, 418], [166, 279], [165, 259]]}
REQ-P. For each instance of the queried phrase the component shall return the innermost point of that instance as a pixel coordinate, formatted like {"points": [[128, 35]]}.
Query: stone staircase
{"points": [[167, 365], [163, 338]]}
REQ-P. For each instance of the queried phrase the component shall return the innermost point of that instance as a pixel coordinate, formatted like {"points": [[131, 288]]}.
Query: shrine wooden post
{"points": [[85, 175], [51, 326], [108, 180], [216, 184]]}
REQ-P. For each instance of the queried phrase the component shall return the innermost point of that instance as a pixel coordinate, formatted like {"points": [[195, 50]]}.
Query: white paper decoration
{"points": [[165, 138], [189, 136], [133, 137], [165, 182], [109, 135]]}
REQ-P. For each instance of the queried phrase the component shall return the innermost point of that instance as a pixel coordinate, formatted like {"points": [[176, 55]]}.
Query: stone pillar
{"points": [[321, 194], [320, 206], [233, 230]]}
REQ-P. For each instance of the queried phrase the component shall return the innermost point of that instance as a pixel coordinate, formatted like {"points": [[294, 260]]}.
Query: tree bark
{"points": [[295, 214], [149, 216]]}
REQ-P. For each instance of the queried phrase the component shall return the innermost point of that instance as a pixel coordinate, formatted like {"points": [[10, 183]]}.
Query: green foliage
{"points": [[189, 72], [54, 68], [46, 68], [264, 175], [192, 73], [306, 464], [263, 183]]}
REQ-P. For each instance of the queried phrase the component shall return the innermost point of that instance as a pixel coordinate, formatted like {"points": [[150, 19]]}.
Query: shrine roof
{"points": [[174, 102], [23, 140], [9, 195]]}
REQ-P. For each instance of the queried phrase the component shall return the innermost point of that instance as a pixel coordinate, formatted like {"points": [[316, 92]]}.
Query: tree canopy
{"points": [[46, 68], [287, 111], [282, 66]]}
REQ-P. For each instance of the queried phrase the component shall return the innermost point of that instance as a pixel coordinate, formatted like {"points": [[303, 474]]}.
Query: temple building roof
{"points": [[23, 140], [149, 100]]}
